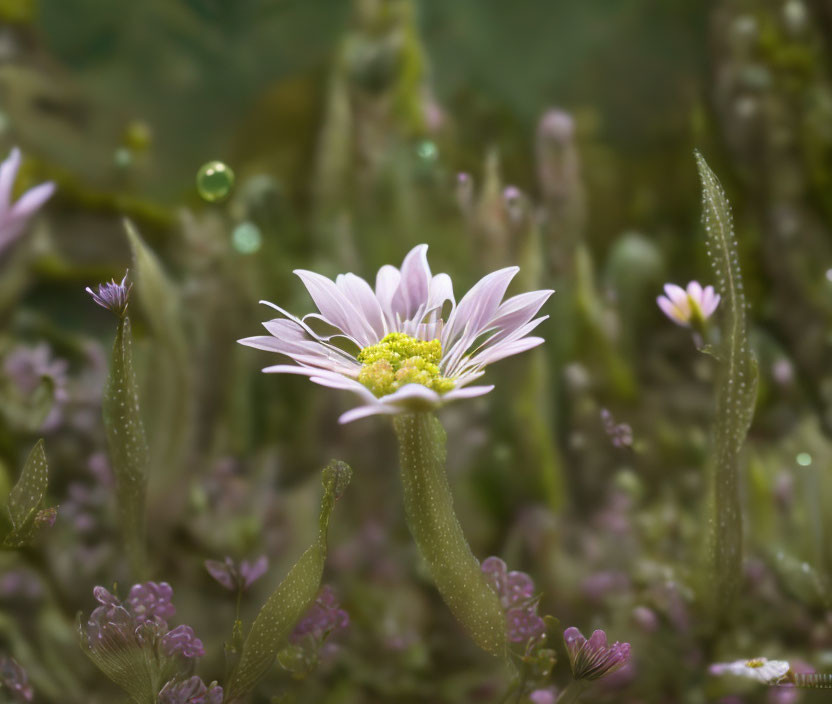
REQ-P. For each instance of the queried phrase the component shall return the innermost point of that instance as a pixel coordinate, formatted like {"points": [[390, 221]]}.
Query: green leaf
{"points": [[127, 443], [271, 629], [25, 498], [735, 396], [169, 392], [429, 510]]}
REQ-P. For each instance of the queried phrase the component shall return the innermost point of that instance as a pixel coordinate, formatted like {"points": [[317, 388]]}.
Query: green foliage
{"points": [[429, 510], [128, 446], [26, 497], [295, 594], [169, 409], [736, 394]]}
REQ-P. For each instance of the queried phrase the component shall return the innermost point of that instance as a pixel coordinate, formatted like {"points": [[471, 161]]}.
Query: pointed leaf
{"points": [[736, 394], [127, 443], [273, 625], [26, 496]]}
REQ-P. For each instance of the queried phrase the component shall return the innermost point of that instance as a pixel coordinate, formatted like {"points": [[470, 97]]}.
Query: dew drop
{"points": [[246, 238], [214, 181], [427, 150], [804, 459]]}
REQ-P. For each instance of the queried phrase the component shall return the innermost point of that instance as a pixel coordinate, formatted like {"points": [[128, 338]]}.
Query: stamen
{"points": [[399, 359]]}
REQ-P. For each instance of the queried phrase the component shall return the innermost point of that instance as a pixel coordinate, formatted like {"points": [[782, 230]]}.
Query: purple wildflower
{"points": [[621, 434], [14, 216], [13, 677], [406, 355], [592, 659], [182, 641], [516, 592], [112, 296], [151, 601], [140, 622], [324, 618], [190, 691], [46, 517], [237, 577]]}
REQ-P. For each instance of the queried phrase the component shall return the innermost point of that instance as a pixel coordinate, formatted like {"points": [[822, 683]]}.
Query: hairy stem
{"points": [[430, 516]]}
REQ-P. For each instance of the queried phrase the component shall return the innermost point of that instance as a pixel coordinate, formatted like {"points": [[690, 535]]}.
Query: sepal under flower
{"points": [[593, 659]]}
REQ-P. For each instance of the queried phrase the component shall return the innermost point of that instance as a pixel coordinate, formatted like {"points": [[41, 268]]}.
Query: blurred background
{"points": [[557, 136]]}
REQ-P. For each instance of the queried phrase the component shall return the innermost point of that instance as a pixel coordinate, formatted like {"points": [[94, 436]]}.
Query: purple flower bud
{"points": [[543, 696], [182, 641], [112, 296], [592, 659], [524, 624], [46, 517], [557, 125], [13, 677], [322, 619], [190, 691], [151, 601], [234, 577]]}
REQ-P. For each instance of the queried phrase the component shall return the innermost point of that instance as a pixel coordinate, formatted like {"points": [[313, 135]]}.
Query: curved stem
{"points": [[430, 516]]}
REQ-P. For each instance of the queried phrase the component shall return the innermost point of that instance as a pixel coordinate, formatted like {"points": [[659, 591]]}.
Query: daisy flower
{"points": [[403, 353], [14, 216], [760, 669], [691, 307]]}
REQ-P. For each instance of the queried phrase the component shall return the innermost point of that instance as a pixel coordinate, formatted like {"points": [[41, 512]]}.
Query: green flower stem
{"points": [[573, 692], [128, 447], [430, 516]]}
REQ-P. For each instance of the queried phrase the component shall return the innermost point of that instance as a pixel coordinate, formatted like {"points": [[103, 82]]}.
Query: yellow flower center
{"points": [[400, 359], [754, 663]]}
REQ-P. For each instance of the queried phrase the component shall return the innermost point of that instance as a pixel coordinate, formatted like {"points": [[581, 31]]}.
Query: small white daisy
{"points": [[759, 669]]}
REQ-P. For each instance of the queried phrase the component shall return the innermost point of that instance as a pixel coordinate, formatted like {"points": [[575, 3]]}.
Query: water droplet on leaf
{"points": [[214, 181]]}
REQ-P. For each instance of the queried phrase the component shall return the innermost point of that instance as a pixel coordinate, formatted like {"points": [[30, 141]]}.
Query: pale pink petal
{"points": [[387, 281], [8, 173], [359, 293], [671, 311], [366, 411], [335, 308], [517, 311], [412, 293], [710, 300], [30, 201], [677, 295], [412, 396], [467, 392], [695, 291], [507, 349], [324, 378], [477, 307]]}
